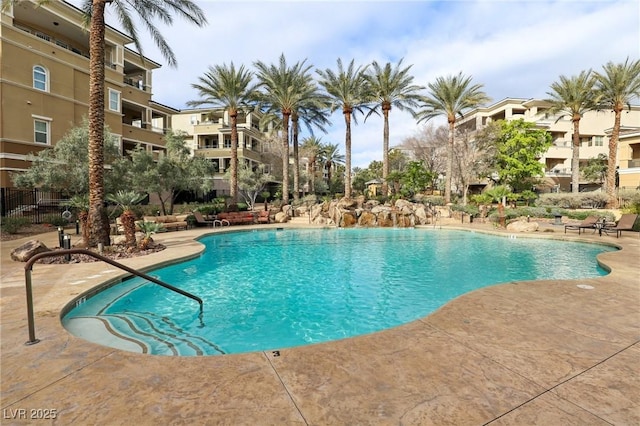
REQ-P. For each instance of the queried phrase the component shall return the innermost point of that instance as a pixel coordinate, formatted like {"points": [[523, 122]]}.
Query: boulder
{"points": [[29, 249], [281, 217], [348, 220], [367, 219], [523, 226]]}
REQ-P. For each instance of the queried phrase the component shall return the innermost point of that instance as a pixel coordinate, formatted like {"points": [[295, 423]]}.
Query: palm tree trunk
{"points": [[347, 145], [385, 150], [285, 157], [449, 171], [575, 157], [612, 201], [296, 160], [98, 220], [233, 184]]}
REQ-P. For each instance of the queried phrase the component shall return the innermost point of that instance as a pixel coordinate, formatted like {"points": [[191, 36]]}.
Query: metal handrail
{"points": [[29, 266]]}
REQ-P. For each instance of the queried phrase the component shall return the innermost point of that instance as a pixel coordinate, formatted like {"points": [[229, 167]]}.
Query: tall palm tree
{"points": [[616, 86], [573, 96], [94, 10], [313, 149], [312, 112], [390, 87], [283, 92], [348, 90], [230, 88], [331, 158], [451, 96]]}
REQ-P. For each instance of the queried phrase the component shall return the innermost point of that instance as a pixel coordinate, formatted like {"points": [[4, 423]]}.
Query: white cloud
{"points": [[513, 48]]}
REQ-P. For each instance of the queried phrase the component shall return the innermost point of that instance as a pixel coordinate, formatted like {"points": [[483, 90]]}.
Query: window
{"points": [[41, 131], [40, 78], [114, 100], [227, 141], [599, 141]]}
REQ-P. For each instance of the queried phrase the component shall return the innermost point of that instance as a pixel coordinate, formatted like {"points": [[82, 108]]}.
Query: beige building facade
{"points": [[209, 136], [44, 85], [594, 137]]}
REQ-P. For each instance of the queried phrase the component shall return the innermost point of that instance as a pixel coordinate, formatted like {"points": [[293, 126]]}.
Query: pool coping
{"points": [[506, 354]]}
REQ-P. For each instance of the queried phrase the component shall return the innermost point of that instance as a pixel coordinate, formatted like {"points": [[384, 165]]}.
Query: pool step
{"points": [[142, 332]]}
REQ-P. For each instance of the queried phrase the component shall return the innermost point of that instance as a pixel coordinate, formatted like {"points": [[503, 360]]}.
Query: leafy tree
{"points": [[519, 146], [348, 90], [596, 169], [229, 88], [573, 96], [616, 86], [174, 172], [251, 182], [390, 86], [64, 167], [451, 96], [416, 178]]}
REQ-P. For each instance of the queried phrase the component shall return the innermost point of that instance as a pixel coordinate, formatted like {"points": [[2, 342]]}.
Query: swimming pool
{"points": [[272, 289]]}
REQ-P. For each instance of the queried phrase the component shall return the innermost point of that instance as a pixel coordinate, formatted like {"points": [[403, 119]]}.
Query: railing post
{"points": [[32, 326]]}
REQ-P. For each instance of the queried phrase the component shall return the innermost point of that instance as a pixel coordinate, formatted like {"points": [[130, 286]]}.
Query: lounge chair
{"points": [[201, 221], [624, 224], [588, 223]]}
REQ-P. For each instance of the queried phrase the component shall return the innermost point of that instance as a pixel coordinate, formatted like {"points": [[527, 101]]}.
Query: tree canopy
{"points": [[518, 147]]}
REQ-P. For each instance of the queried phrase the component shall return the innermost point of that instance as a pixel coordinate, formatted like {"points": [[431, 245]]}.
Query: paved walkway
{"points": [[544, 352]]}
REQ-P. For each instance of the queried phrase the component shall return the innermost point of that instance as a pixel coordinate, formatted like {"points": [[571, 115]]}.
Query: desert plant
{"points": [[148, 229], [12, 225], [126, 199]]}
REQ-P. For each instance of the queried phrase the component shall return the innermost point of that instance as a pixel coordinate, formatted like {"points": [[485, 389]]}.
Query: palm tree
{"points": [[390, 87], [94, 11], [616, 86], [283, 92], [126, 200], [313, 149], [348, 90], [80, 203], [451, 96], [224, 86], [312, 112], [331, 158], [573, 96]]}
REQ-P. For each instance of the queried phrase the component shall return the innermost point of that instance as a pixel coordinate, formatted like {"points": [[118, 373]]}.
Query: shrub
{"points": [[55, 220], [569, 200], [12, 225]]}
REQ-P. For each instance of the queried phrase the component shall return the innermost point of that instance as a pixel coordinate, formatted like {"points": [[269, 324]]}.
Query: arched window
{"points": [[40, 78]]}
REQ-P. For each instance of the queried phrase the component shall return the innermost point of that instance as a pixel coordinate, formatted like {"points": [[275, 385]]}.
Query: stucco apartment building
{"points": [[209, 136], [595, 130], [44, 85]]}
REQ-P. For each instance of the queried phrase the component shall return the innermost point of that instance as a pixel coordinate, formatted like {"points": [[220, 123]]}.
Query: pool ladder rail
{"points": [[28, 286]]}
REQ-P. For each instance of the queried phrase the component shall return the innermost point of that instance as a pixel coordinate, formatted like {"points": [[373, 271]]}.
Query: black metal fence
{"points": [[37, 205]]}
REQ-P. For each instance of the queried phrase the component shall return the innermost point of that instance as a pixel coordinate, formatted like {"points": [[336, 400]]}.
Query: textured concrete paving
{"points": [[535, 353]]}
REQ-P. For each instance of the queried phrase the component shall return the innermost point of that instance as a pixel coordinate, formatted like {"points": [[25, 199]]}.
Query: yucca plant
{"points": [[148, 229], [81, 204], [126, 199]]}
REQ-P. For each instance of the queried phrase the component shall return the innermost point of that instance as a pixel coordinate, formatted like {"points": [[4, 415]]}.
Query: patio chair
{"points": [[624, 224], [588, 223], [201, 221]]}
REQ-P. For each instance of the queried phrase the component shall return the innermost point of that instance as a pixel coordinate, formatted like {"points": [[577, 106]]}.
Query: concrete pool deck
{"points": [[523, 353]]}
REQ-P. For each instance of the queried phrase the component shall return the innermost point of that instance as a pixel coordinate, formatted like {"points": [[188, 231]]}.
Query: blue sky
{"points": [[514, 48]]}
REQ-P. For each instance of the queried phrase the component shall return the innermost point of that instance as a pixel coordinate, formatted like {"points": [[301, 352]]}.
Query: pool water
{"points": [[272, 289]]}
